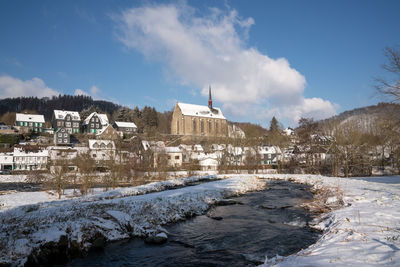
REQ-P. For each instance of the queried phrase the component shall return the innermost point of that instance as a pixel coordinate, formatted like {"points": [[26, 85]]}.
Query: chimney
{"points": [[209, 98]]}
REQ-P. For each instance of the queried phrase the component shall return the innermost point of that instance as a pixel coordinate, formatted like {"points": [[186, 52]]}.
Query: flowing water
{"points": [[265, 223]]}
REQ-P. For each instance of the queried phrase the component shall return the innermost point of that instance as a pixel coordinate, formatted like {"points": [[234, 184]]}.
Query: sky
{"points": [[288, 59]]}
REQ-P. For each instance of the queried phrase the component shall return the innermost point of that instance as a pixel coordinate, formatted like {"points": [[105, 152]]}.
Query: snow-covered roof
{"points": [[102, 117], [200, 111], [21, 152], [125, 124], [29, 117], [101, 144], [60, 114], [172, 149], [269, 150]]}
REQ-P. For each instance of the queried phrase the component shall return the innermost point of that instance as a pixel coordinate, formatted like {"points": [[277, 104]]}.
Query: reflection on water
{"points": [[266, 224]]}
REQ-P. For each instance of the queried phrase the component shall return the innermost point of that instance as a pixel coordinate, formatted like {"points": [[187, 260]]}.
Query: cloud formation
{"points": [[14, 87], [94, 92], [211, 49]]}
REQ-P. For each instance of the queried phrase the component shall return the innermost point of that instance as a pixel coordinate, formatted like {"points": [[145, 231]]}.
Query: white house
{"points": [[270, 155], [125, 127], [175, 157], [102, 149], [6, 161], [30, 159], [29, 122]]}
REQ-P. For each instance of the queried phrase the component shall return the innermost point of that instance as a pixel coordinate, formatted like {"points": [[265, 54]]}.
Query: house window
{"points": [[176, 157], [68, 124], [92, 125], [59, 140], [169, 157], [30, 124], [59, 134], [97, 125], [65, 135], [65, 141]]}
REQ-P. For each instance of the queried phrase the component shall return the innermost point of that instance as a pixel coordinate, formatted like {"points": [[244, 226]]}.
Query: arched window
{"points": [[216, 127], [202, 126], [194, 126], [209, 126], [177, 126]]}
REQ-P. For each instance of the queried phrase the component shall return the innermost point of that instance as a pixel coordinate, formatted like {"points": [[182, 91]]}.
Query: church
{"points": [[198, 120]]}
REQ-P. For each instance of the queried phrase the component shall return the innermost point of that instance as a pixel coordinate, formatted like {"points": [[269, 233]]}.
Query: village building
{"points": [[174, 156], [125, 127], [101, 150], [108, 133], [30, 159], [70, 120], [62, 137], [95, 123], [6, 161], [197, 120], [29, 122]]}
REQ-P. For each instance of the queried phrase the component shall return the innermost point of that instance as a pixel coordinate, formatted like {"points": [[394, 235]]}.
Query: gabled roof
{"points": [[101, 144], [125, 124], [200, 111], [102, 117], [29, 117], [60, 114]]}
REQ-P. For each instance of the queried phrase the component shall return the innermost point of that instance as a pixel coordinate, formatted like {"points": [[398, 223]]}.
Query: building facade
{"points": [[198, 120], [70, 120], [95, 123], [62, 137], [29, 122], [125, 127], [30, 160]]}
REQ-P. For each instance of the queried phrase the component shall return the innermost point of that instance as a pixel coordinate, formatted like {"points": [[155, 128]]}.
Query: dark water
{"points": [[268, 223]]}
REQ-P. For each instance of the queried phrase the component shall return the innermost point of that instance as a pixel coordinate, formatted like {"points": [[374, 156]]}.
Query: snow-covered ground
{"points": [[364, 231]]}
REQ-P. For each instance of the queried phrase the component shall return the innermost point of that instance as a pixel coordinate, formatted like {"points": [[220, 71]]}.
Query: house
{"points": [[62, 137], [101, 150], [174, 156], [209, 162], [270, 155], [6, 161], [125, 127], [29, 122], [108, 133], [197, 120], [30, 158], [70, 120], [95, 123]]}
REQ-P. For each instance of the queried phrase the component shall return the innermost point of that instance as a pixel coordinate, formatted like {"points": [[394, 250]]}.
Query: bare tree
{"points": [[59, 177], [390, 87]]}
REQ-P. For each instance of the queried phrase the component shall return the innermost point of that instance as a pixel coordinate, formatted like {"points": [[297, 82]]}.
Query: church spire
{"points": [[209, 98]]}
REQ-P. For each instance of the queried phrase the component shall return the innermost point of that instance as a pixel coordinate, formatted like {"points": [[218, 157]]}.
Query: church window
{"points": [[177, 126], [209, 126], [202, 126], [194, 126], [216, 127]]}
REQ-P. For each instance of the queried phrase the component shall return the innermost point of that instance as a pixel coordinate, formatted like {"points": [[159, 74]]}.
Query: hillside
{"points": [[366, 117]]}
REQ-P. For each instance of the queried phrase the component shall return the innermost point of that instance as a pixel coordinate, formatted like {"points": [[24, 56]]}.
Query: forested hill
{"points": [[45, 106], [366, 117]]}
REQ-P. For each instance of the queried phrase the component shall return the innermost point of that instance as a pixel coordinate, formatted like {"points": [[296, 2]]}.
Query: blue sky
{"points": [[262, 58]]}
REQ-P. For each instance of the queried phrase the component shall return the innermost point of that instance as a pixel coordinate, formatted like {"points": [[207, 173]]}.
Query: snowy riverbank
{"points": [[365, 231]]}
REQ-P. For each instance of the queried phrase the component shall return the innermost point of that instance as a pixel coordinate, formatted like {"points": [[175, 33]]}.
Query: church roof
{"points": [[200, 111]]}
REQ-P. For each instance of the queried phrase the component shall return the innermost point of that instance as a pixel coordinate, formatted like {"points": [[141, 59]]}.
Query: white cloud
{"points": [[14, 87], [211, 49], [80, 92], [94, 92]]}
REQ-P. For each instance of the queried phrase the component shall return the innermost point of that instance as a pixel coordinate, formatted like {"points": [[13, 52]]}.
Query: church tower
{"points": [[209, 98]]}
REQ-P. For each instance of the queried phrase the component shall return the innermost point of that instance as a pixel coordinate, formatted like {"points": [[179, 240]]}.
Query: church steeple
{"points": [[209, 98]]}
